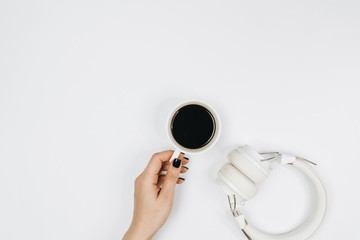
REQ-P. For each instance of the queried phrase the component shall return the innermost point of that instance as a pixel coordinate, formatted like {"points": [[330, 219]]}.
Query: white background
{"points": [[86, 87]]}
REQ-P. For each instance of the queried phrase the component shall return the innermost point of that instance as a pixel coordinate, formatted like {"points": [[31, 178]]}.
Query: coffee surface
{"points": [[193, 126]]}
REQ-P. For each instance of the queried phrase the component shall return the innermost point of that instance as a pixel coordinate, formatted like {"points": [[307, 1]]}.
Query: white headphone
{"points": [[246, 169]]}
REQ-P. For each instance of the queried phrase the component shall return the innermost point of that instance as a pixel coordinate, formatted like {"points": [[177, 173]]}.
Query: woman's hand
{"points": [[154, 194]]}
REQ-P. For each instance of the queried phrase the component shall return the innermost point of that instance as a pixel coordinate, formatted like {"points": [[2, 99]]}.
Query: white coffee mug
{"points": [[179, 148]]}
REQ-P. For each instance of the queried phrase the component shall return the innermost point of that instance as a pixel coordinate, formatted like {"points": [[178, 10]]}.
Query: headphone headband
{"points": [[305, 230]]}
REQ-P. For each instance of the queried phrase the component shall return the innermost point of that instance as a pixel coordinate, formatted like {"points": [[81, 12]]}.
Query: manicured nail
{"points": [[176, 162], [186, 167], [182, 153], [182, 178], [186, 158]]}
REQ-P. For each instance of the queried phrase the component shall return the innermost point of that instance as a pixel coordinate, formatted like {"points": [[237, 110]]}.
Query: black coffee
{"points": [[193, 126]]}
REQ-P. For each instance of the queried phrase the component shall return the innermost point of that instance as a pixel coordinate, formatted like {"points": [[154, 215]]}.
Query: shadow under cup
{"points": [[193, 127]]}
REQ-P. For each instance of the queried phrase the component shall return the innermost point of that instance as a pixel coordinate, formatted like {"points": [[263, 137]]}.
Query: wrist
{"points": [[137, 233]]}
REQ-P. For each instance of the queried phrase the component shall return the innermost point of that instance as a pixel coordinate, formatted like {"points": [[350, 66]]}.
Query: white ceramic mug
{"points": [[179, 148]]}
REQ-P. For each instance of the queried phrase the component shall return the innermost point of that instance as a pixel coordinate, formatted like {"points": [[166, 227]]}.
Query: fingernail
{"points": [[182, 153], [182, 178], [176, 162], [186, 158], [186, 167]]}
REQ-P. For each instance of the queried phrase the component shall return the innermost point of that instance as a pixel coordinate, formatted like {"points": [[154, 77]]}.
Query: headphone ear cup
{"points": [[247, 161], [234, 182]]}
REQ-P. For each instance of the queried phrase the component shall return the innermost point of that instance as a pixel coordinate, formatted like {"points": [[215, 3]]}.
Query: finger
{"points": [[161, 179], [153, 168], [184, 161], [183, 169], [180, 180], [171, 179], [157, 159]]}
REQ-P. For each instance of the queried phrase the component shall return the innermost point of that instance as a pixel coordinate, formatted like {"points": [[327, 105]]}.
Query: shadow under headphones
{"points": [[246, 169]]}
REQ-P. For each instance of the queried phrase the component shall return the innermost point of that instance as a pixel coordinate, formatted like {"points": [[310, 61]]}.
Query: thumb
{"points": [[171, 178]]}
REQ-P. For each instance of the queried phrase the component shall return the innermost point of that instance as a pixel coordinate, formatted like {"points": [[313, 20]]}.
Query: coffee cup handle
{"points": [[175, 154]]}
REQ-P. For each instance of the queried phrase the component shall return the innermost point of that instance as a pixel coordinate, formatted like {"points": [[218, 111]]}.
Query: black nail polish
{"points": [[182, 153], [182, 178], [186, 167], [186, 158], [176, 162]]}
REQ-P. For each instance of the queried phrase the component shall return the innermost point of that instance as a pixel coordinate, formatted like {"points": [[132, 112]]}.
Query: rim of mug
{"points": [[217, 127]]}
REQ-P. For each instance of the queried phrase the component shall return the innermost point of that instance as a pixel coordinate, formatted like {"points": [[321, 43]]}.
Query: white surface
{"points": [[85, 89]]}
